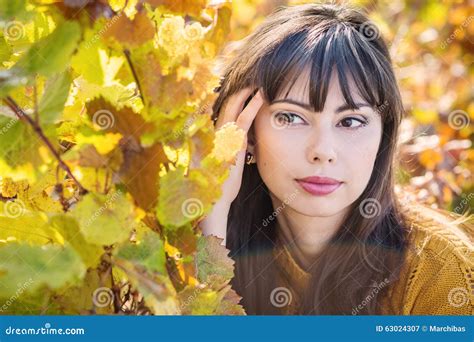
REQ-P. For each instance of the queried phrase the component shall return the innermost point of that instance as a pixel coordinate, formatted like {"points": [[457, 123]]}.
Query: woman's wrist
{"points": [[215, 223]]}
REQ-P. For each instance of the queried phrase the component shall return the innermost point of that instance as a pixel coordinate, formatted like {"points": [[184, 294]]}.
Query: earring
{"points": [[249, 158]]}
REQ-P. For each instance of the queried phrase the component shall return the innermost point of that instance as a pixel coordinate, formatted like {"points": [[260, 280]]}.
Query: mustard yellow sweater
{"points": [[437, 278]]}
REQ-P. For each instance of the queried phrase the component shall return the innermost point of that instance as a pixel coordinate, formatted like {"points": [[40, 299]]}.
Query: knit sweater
{"points": [[436, 279]]}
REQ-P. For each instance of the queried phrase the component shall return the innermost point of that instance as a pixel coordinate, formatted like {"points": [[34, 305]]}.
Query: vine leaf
{"points": [[50, 265], [105, 219]]}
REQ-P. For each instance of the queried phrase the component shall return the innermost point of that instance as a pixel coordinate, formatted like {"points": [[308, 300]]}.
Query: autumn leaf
{"points": [[130, 32], [214, 265]]}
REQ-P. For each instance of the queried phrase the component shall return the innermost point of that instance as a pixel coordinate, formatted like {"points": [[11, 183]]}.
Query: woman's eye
{"points": [[351, 122], [287, 118]]}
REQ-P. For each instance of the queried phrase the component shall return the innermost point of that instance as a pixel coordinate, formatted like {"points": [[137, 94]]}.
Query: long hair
{"points": [[367, 250]]}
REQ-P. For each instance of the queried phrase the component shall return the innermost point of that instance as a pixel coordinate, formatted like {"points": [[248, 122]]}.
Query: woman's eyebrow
{"points": [[309, 108], [300, 104], [348, 106]]}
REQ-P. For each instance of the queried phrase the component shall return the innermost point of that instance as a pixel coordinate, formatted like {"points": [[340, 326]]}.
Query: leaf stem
{"points": [[134, 73], [22, 116]]}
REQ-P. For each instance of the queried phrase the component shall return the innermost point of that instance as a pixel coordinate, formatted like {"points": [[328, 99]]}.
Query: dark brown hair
{"points": [[365, 251]]}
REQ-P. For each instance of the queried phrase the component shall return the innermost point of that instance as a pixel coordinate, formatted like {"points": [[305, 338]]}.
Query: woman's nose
{"points": [[320, 147]]}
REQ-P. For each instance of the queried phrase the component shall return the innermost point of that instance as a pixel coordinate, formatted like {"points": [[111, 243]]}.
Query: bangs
{"points": [[323, 50]]}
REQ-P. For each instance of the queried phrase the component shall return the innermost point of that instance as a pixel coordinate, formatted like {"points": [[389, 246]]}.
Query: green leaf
{"points": [[18, 143], [149, 253], [54, 97], [50, 265], [95, 62], [69, 229], [18, 223], [80, 298], [105, 219], [51, 54], [205, 301], [5, 50], [11, 8], [183, 199]]}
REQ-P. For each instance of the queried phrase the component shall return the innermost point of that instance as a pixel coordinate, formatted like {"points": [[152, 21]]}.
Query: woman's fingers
{"points": [[233, 107], [249, 113]]}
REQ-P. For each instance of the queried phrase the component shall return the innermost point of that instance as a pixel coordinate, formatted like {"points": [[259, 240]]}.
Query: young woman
{"points": [[309, 211]]}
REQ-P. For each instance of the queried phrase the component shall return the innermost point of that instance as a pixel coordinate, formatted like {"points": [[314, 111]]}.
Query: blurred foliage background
{"points": [[431, 43]]}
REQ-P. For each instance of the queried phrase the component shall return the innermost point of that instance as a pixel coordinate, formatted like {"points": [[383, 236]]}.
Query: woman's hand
{"points": [[232, 110]]}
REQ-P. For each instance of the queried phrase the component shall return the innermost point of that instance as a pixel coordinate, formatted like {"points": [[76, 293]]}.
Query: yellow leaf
{"points": [[103, 143], [228, 142]]}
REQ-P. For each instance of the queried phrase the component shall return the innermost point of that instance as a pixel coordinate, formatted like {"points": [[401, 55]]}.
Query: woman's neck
{"points": [[306, 236]]}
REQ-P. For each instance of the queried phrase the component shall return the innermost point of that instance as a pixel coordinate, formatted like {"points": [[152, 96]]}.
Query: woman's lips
{"points": [[319, 189]]}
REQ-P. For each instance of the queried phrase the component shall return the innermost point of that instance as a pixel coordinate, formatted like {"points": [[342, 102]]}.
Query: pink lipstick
{"points": [[319, 186]]}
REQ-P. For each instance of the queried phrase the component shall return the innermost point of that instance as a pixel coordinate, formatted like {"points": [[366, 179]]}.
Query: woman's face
{"points": [[293, 142]]}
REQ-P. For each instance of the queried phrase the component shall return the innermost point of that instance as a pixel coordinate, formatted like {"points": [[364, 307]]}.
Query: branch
{"points": [[35, 97], [22, 116], [134, 73]]}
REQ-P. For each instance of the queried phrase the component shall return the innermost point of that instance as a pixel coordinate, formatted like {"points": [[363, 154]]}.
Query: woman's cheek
{"points": [[360, 161], [270, 152]]}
